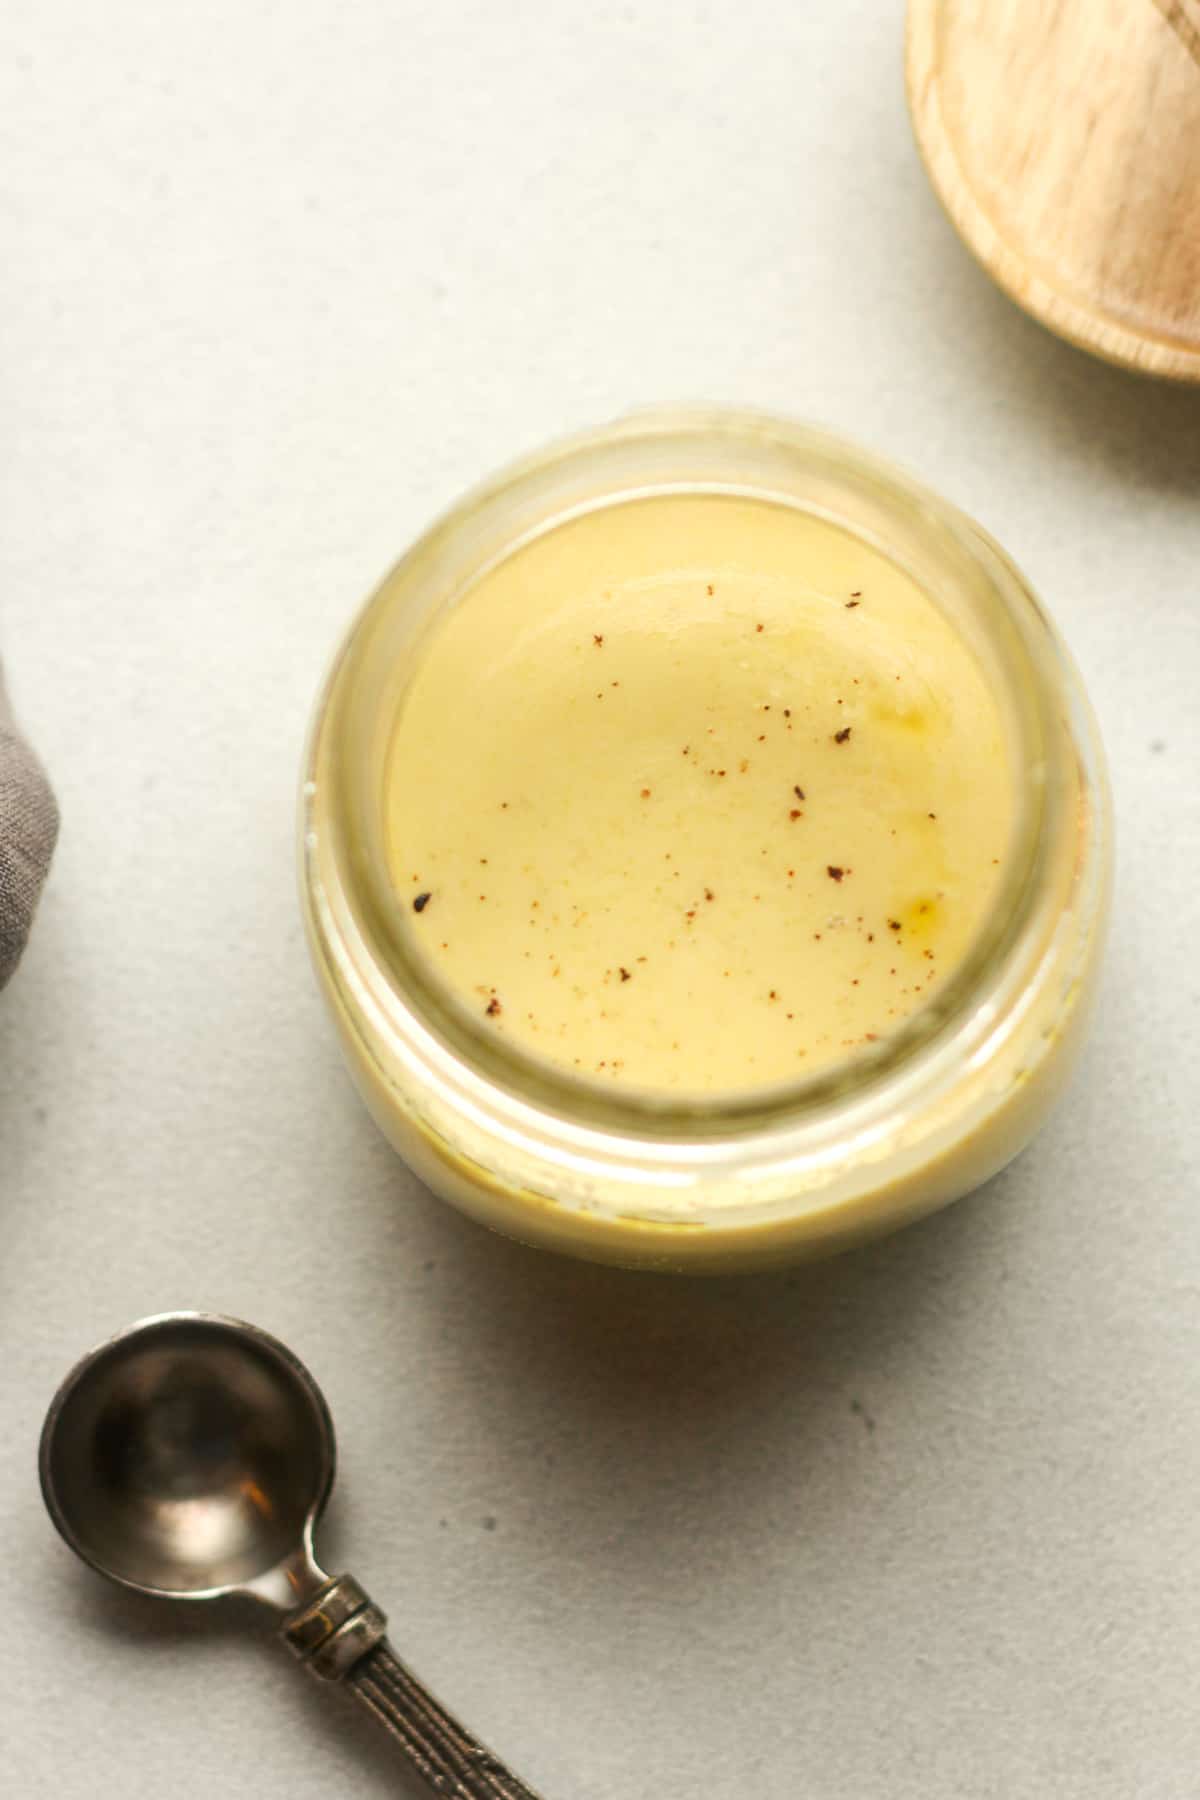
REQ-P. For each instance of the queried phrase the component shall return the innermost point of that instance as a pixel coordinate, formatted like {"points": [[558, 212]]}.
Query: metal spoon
{"points": [[191, 1457]]}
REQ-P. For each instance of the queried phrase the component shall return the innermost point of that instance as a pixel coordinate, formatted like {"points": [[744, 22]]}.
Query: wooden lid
{"points": [[1063, 138]]}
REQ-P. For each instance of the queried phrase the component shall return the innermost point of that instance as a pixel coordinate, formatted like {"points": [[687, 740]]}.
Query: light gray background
{"points": [[279, 280]]}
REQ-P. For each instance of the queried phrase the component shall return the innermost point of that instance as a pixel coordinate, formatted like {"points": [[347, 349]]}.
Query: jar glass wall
{"points": [[720, 1180]]}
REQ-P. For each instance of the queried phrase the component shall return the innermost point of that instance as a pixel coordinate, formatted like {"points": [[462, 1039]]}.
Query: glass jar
{"points": [[905, 1125]]}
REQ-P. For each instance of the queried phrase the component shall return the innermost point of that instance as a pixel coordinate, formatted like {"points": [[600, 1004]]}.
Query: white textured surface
{"points": [[279, 280]]}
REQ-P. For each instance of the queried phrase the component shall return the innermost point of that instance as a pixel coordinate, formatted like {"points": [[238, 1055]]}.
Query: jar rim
{"points": [[1021, 638]]}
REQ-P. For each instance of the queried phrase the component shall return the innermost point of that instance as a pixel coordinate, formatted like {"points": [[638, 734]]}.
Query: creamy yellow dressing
{"points": [[696, 793]]}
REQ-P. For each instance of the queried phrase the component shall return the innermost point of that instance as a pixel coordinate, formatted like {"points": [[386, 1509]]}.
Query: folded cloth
{"points": [[28, 828]]}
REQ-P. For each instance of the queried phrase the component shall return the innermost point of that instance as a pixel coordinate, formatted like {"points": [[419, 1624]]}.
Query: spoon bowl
{"points": [[187, 1457]]}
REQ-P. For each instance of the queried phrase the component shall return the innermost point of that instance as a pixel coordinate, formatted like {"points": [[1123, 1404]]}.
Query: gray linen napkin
{"points": [[28, 828]]}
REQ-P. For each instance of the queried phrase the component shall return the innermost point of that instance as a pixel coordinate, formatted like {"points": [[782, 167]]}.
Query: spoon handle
{"points": [[444, 1753], [339, 1635]]}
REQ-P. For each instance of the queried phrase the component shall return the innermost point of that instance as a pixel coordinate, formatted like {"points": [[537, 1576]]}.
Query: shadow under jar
{"points": [[705, 848]]}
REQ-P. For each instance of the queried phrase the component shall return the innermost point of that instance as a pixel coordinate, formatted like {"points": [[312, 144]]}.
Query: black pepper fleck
{"points": [[421, 901]]}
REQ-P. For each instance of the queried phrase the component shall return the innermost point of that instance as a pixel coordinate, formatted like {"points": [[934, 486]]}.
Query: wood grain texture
{"points": [[1063, 138]]}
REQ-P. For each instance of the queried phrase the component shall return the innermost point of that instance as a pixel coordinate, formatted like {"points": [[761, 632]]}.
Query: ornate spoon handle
{"points": [[339, 1635], [448, 1758]]}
